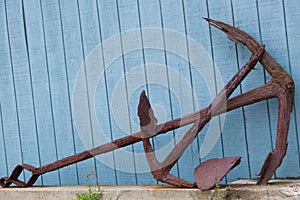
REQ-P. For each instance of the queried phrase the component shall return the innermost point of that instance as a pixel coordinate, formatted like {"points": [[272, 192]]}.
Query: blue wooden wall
{"points": [[51, 106]]}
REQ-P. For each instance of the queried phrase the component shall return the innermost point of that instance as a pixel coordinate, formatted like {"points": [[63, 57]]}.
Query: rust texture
{"points": [[148, 122], [210, 172]]}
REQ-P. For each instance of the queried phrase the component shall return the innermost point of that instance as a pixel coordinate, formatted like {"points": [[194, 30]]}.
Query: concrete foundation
{"points": [[279, 189]]}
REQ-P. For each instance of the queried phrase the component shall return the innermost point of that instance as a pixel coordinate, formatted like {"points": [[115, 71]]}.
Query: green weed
{"points": [[92, 194]]}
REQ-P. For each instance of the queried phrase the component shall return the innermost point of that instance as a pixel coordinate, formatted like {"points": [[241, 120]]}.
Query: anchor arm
{"points": [[281, 86]]}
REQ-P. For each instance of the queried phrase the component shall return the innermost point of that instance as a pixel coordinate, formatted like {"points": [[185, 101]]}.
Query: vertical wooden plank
{"points": [[156, 77], [74, 57], [110, 25], [106, 166], [181, 100], [197, 28], [157, 73], [294, 133], [10, 126], [203, 78], [23, 83], [40, 84], [210, 138], [3, 165], [203, 75], [59, 88], [91, 38], [225, 60], [272, 23], [256, 116], [292, 26], [187, 71], [134, 75]]}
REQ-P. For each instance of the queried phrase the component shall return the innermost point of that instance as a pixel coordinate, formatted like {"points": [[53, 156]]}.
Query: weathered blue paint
{"points": [[44, 43], [272, 32], [293, 42], [10, 127], [74, 53], [22, 80], [193, 12], [150, 16], [255, 123], [40, 85], [3, 167]]}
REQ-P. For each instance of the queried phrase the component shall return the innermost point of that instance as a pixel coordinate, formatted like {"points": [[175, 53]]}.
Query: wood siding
{"points": [[43, 45]]}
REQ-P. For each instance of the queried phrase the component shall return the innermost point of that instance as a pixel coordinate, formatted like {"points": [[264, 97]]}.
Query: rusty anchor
{"points": [[208, 173]]}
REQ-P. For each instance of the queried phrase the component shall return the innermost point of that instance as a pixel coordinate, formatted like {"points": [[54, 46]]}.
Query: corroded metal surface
{"points": [[281, 87], [161, 171], [211, 172]]}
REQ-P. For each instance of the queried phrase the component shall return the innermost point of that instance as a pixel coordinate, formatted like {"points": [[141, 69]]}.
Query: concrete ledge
{"points": [[277, 189], [238, 190]]}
